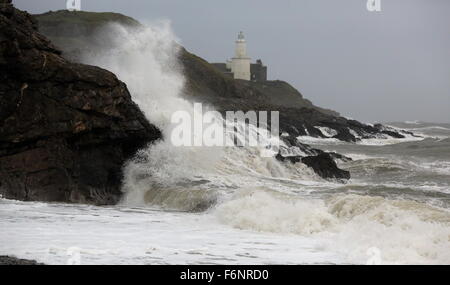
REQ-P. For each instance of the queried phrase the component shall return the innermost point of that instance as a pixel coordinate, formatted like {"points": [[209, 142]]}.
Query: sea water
{"points": [[229, 205]]}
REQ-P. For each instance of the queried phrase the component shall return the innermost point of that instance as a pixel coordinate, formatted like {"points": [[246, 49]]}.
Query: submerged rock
{"points": [[65, 128], [324, 165], [292, 159], [341, 157], [9, 260]]}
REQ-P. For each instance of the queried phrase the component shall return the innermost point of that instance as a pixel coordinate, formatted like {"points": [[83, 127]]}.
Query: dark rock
{"points": [[324, 165], [65, 128], [292, 141], [390, 131], [341, 157], [292, 159], [9, 260], [393, 134], [345, 135]]}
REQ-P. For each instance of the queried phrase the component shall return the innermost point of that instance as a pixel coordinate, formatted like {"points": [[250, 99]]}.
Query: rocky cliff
{"points": [[80, 33], [77, 33], [298, 116], [65, 128], [83, 33]]}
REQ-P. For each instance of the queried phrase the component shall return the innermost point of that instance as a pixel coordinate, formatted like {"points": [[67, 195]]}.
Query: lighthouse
{"points": [[240, 63], [240, 67]]}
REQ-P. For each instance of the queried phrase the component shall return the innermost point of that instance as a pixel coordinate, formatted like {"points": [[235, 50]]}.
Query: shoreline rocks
{"points": [[323, 163], [66, 128], [10, 260], [325, 166]]}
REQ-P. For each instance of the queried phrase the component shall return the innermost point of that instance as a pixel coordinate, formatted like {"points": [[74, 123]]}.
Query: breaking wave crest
{"points": [[248, 191], [146, 59], [403, 231]]}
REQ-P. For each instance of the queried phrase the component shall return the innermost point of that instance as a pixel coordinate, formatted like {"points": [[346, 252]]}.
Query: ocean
{"points": [[230, 205], [396, 206]]}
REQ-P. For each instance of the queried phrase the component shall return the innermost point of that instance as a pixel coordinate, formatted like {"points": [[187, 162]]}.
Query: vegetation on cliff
{"points": [[205, 83]]}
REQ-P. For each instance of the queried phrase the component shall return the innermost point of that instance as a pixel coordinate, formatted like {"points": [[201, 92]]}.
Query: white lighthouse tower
{"points": [[240, 63]]}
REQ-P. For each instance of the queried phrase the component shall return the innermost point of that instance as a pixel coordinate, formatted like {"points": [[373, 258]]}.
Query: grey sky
{"points": [[392, 65]]}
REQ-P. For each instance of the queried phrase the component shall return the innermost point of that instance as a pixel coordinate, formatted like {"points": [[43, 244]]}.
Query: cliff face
{"points": [[206, 83], [75, 33], [65, 128], [298, 116]]}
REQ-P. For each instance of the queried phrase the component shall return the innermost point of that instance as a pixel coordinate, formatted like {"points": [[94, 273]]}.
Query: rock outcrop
{"points": [[9, 260], [323, 163], [65, 128], [298, 116]]}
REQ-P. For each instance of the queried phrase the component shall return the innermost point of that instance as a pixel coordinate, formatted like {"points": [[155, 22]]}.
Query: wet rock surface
{"points": [[9, 260], [325, 166], [323, 163], [65, 128]]}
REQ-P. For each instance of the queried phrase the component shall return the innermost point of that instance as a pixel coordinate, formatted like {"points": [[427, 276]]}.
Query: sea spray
{"points": [[251, 192], [146, 59], [403, 231]]}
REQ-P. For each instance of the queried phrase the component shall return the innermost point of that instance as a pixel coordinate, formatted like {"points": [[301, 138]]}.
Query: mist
{"points": [[383, 66]]}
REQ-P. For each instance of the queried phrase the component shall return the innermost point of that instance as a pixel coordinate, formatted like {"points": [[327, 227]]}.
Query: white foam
{"points": [[430, 128], [120, 235], [146, 60], [275, 226], [403, 231], [328, 132], [380, 140], [439, 166], [314, 140], [388, 140], [355, 134], [416, 122]]}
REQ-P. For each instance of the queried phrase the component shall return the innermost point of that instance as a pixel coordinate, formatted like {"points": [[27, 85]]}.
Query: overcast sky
{"points": [[385, 66]]}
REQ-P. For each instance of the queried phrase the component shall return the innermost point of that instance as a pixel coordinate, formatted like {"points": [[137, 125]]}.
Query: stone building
{"points": [[240, 66]]}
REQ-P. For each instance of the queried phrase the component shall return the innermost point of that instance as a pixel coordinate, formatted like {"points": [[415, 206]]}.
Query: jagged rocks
{"points": [[9, 260], [65, 128], [324, 165]]}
